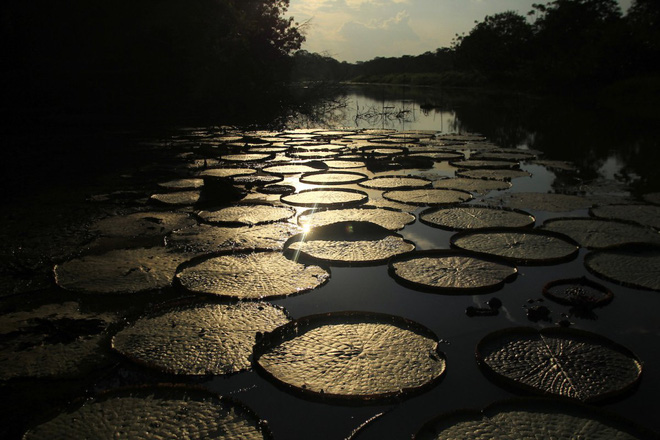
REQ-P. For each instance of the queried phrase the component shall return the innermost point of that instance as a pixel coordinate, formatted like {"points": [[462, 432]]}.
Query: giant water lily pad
{"points": [[332, 178], [142, 224], [546, 202], [120, 271], [181, 184], [52, 341], [428, 196], [349, 243], [531, 419], [326, 198], [578, 292], [598, 233], [176, 198], [630, 265], [247, 157], [207, 238], [285, 169], [484, 164], [391, 219], [224, 173], [351, 355], [501, 174], [343, 164], [558, 361], [480, 186], [644, 214], [162, 412], [475, 217], [519, 246], [257, 275], [200, 338], [396, 182], [248, 214], [450, 271]]}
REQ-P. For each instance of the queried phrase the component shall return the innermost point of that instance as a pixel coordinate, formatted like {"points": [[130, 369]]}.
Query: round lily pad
{"points": [[208, 238], [428, 196], [484, 164], [480, 186], [501, 174], [198, 339], [348, 243], [247, 157], [248, 214], [256, 179], [559, 361], [546, 202], [532, 419], [391, 219], [290, 169], [644, 214], [351, 356], [475, 217], [224, 173], [142, 224], [52, 341], [579, 292], [326, 198], [596, 233], [438, 155], [332, 178], [450, 271], [176, 198], [396, 182], [518, 246], [120, 271], [503, 155], [343, 164], [630, 265], [255, 275], [154, 412], [464, 137], [182, 184], [382, 150]]}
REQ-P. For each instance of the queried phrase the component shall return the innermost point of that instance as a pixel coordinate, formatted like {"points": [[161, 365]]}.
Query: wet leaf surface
{"points": [[258, 275], [387, 218], [474, 217], [142, 224], [451, 271], [351, 355], [326, 198], [176, 198], [290, 169], [223, 173], [579, 292], [631, 265], [644, 214], [546, 202], [332, 178], [163, 412], [247, 214], [198, 339], [596, 233], [428, 197], [393, 182], [481, 186], [505, 175]]}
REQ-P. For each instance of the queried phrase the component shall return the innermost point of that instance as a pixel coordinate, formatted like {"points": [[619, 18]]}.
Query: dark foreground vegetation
{"points": [[562, 45]]}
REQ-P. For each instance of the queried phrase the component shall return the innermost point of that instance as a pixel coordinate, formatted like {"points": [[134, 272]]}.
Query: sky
{"points": [[360, 30]]}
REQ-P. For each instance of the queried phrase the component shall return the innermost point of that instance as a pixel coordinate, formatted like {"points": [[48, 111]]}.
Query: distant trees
{"points": [[144, 55]]}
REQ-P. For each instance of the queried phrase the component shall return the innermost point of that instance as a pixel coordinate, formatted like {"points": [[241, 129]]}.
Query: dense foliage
{"points": [[144, 55]]}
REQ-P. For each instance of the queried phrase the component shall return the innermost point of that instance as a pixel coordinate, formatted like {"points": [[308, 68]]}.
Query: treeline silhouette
{"points": [[144, 59], [564, 44]]}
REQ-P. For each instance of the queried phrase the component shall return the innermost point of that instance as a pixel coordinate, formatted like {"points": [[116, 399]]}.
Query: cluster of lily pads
{"points": [[255, 216]]}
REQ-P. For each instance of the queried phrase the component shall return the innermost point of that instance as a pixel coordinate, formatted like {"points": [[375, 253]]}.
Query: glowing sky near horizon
{"points": [[359, 30]]}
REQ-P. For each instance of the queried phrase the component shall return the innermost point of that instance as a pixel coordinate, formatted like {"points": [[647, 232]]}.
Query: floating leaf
{"points": [[505, 175], [247, 157], [521, 247], [568, 363], [644, 214], [484, 164], [428, 197], [52, 341], [182, 184], [162, 412], [290, 169], [630, 265], [450, 271], [481, 186], [475, 217], [207, 238], [343, 164], [349, 243], [256, 275], [223, 173], [557, 165], [392, 182], [120, 271], [198, 339], [579, 292], [546, 202], [511, 156], [351, 355], [256, 179], [597, 233], [387, 218], [531, 419], [248, 214], [277, 189], [332, 178], [326, 198], [141, 224], [176, 198], [438, 156], [465, 137]]}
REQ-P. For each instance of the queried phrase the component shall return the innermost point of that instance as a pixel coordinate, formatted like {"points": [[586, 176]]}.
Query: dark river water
{"points": [[600, 154]]}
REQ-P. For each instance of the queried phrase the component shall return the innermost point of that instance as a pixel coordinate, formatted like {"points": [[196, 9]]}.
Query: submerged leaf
{"points": [[258, 275], [162, 412], [568, 363], [351, 355], [200, 338]]}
